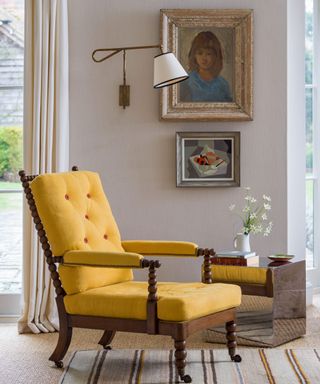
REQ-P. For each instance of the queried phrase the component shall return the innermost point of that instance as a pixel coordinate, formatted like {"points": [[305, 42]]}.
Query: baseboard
{"points": [[10, 304], [316, 290], [8, 319]]}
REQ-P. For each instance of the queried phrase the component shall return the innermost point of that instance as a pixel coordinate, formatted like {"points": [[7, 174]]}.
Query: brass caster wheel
{"points": [[59, 364], [186, 379], [107, 347], [236, 358]]}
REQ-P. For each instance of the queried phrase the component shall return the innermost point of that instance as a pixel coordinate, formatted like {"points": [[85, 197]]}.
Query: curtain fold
{"points": [[46, 142]]}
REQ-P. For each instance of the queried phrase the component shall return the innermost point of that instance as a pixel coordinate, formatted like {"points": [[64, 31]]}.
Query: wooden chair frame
{"points": [[179, 331]]}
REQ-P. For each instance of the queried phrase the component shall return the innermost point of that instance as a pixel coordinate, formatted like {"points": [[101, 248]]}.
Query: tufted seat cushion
{"points": [[177, 301], [77, 216]]}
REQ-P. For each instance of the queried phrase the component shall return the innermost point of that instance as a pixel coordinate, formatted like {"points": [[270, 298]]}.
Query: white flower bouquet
{"points": [[254, 216]]}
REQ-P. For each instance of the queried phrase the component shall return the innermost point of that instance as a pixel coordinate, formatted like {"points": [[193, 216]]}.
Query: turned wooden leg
{"points": [[65, 335], [106, 339], [180, 357], [232, 343]]}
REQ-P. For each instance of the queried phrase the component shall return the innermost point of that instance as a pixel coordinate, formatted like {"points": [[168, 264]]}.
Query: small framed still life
{"points": [[208, 159], [215, 46]]}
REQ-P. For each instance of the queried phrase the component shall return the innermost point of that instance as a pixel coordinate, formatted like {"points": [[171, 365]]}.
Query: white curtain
{"points": [[46, 142]]}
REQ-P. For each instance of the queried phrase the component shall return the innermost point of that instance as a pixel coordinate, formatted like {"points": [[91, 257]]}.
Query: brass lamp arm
{"points": [[167, 69], [117, 50]]}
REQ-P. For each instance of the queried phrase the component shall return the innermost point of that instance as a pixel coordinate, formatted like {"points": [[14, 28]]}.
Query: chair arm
{"points": [[161, 248], [104, 259]]}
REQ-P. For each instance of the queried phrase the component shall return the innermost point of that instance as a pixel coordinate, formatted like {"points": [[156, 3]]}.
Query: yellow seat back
{"points": [[76, 215]]}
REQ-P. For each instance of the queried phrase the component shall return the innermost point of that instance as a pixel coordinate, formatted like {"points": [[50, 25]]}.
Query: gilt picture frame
{"points": [[217, 90], [208, 159]]}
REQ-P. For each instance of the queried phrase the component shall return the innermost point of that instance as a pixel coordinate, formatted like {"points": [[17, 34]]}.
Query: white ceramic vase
{"points": [[242, 242]]}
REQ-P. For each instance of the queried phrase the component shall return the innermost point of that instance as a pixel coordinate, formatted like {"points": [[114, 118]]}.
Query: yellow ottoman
{"points": [[252, 280], [239, 274]]}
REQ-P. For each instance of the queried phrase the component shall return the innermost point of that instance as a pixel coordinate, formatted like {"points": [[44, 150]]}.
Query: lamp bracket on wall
{"points": [[124, 89], [117, 50], [167, 69]]}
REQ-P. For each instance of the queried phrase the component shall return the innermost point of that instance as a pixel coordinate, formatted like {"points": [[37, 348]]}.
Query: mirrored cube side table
{"points": [[274, 306]]}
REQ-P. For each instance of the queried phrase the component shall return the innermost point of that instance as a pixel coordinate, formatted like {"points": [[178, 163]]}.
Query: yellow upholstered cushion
{"points": [[187, 301], [76, 215], [177, 301], [75, 212], [150, 247], [237, 274], [96, 259], [80, 279]]}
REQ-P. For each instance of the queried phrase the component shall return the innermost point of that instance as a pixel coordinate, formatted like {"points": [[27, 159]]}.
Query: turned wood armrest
{"points": [[207, 273], [161, 248], [105, 259], [172, 248]]}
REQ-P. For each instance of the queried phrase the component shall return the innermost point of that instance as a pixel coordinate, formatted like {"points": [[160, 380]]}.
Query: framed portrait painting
{"points": [[215, 47], [208, 159]]}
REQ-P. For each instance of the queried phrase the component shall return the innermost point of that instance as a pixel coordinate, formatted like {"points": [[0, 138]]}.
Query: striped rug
{"points": [[258, 366]]}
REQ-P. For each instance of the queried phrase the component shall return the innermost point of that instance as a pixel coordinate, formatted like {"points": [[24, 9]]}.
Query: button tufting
{"points": [[85, 240], [87, 217], [66, 197], [88, 195], [105, 237]]}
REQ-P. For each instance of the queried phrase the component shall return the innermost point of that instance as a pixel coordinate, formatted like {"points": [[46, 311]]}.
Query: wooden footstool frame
{"points": [[179, 331]]}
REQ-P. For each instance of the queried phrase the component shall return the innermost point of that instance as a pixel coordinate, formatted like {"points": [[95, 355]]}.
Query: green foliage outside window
{"points": [[309, 158], [10, 152]]}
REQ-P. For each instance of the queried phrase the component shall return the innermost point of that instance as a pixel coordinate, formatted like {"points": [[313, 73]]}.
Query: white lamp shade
{"points": [[167, 70]]}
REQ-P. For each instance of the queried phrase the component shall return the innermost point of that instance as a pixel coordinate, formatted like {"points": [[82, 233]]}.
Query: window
{"points": [[312, 136], [11, 118]]}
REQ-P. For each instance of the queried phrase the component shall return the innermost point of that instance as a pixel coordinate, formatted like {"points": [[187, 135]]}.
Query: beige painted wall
{"points": [[135, 152]]}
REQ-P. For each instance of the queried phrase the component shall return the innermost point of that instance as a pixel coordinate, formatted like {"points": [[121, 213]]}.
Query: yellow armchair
{"points": [[94, 282]]}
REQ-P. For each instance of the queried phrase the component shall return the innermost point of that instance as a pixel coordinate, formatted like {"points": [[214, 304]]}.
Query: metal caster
{"points": [[236, 358], [59, 364], [186, 379], [107, 347]]}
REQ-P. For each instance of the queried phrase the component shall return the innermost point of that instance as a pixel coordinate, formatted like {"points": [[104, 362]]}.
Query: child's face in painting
{"points": [[205, 58]]}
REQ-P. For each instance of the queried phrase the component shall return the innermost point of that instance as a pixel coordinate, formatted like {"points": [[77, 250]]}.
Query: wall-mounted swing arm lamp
{"points": [[167, 69]]}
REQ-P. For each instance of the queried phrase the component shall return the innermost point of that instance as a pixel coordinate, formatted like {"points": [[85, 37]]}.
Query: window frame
{"points": [[313, 273], [10, 302]]}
